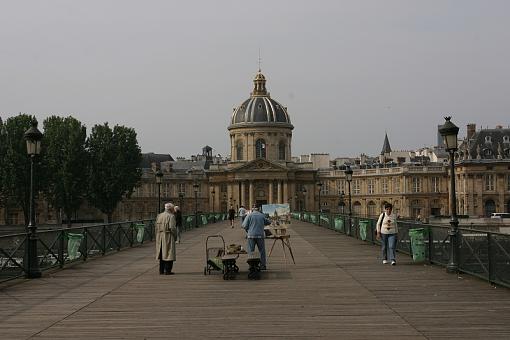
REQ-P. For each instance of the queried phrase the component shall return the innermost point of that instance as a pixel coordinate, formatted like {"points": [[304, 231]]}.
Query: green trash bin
{"points": [[339, 224], [73, 245], [418, 247], [204, 220], [363, 227], [140, 231]]}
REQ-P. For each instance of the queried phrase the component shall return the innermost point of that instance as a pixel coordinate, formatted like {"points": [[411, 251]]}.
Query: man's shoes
{"points": [[393, 263], [384, 261], [169, 273], [263, 268]]}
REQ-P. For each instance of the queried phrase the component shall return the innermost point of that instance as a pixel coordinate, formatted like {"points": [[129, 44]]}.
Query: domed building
{"points": [[260, 170], [260, 127]]}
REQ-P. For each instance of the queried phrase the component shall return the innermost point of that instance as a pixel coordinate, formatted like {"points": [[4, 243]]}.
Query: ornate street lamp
{"points": [[181, 199], [319, 185], [449, 131], [341, 204], [348, 177], [195, 189], [33, 139], [159, 180], [213, 192], [304, 199]]}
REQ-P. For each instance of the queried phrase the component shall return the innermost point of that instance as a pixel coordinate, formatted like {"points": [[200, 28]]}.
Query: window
{"points": [[396, 185], [356, 186], [488, 139], [182, 187], [489, 182], [370, 186], [435, 184], [384, 186], [506, 139], [260, 148], [239, 151], [325, 188], [416, 184], [340, 185], [356, 208], [281, 151]]}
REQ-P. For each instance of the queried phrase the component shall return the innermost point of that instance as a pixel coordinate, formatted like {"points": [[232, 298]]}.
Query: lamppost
{"points": [[195, 189], [449, 132], [159, 179], [303, 207], [348, 177], [213, 192], [181, 199], [341, 204], [319, 185], [33, 139]]}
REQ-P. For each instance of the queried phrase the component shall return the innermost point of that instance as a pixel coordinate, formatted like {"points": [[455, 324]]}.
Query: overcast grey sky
{"points": [[347, 70]]}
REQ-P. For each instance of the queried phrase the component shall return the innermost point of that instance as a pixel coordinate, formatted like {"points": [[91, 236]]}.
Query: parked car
{"points": [[500, 215]]}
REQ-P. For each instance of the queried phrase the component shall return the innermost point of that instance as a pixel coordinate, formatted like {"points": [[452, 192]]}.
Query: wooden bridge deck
{"points": [[337, 289]]}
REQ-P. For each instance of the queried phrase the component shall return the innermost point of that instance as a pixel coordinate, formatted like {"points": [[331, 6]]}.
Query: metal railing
{"points": [[55, 247], [481, 253]]}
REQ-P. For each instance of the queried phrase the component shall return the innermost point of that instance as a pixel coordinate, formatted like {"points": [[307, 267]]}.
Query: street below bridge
{"points": [[337, 289]]}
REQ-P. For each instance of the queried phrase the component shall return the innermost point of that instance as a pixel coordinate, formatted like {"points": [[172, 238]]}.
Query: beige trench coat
{"points": [[165, 236]]}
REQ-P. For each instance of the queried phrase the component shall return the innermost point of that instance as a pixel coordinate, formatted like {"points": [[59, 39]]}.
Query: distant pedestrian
{"points": [[242, 213], [178, 222], [254, 225], [165, 239], [387, 232], [231, 216]]}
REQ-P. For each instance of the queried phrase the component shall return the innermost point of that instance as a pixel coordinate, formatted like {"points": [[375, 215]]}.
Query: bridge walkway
{"points": [[338, 288]]}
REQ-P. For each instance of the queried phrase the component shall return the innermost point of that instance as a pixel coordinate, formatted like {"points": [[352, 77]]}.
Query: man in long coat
{"points": [[166, 233]]}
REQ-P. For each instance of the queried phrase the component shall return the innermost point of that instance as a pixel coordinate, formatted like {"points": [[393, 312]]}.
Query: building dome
{"points": [[260, 108]]}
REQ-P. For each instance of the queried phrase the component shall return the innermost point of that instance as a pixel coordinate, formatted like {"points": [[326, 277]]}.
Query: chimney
{"points": [[471, 130]]}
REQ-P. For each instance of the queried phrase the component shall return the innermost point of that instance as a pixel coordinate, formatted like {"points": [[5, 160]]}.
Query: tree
{"points": [[64, 163], [114, 166], [15, 164]]}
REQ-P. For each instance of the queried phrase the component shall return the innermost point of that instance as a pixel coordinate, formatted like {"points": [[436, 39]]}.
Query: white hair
{"points": [[169, 206]]}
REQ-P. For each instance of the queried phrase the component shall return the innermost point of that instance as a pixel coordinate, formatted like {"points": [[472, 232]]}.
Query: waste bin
{"points": [[314, 218], [363, 227], [324, 219], [339, 224], [73, 245], [140, 231], [204, 220], [417, 237]]}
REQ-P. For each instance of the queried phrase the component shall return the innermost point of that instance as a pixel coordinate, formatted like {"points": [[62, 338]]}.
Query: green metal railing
{"points": [[56, 248], [483, 254]]}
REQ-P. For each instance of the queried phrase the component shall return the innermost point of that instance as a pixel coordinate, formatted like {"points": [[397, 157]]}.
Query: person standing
{"points": [[231, 216], [242, 213], [166, 232], [178, 222], [254, 225], [387, 232]]}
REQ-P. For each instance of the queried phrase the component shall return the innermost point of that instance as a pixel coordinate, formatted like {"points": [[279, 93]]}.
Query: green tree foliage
{"points": [[15, 164], [114, 166], [65, 162]]}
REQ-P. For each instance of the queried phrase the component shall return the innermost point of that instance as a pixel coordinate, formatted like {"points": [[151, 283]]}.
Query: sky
{"points": [[348, 71]]}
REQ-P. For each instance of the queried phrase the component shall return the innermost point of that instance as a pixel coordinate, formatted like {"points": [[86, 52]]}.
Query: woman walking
{"points": [[387, 232]]}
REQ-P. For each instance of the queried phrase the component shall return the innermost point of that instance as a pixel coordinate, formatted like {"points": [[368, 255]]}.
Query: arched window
{"points": [[371, 209], [239, 151], [260, 148], [281, 151], [356, 208]]}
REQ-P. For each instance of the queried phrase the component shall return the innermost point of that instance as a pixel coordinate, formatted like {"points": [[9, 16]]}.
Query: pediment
{"points": [[260, 165]]}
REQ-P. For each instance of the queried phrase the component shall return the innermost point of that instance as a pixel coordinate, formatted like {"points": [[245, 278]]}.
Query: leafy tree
{"points": [[113, 167], [65, 163], [15, 164]]}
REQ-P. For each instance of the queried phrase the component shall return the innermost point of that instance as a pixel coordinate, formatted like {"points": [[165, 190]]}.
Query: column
{"points": [[280, 192], [285, 193], [229, 194], [270, 198], [252, 199], [243, 194]]}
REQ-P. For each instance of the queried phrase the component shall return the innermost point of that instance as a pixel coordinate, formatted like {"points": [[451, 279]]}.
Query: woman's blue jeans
{"points": [[388, 246]]}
